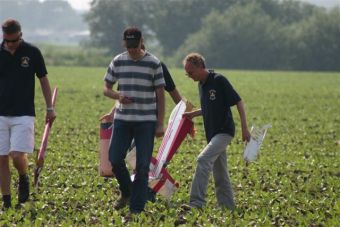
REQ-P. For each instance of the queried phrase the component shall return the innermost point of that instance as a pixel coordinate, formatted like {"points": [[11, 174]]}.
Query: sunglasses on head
{"points": [[12, 40]]}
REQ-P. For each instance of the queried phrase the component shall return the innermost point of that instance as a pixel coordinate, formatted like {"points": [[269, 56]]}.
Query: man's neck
{"points": [[138, 55], [12, 51], [204, 76]]}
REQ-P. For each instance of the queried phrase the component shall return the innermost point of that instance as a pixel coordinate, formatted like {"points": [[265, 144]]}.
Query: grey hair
{"points": [[195, 59]]}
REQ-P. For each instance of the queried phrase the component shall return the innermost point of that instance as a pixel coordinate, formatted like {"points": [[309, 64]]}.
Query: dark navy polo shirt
{"points": [[169, 83], [217, 96], [17, 79]]}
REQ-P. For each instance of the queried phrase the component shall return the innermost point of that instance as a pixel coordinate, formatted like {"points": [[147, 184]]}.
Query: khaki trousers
{"points": [[213, 159]]}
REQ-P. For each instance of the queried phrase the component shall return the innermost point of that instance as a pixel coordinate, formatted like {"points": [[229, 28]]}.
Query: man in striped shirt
{"points": [[139, 115]]}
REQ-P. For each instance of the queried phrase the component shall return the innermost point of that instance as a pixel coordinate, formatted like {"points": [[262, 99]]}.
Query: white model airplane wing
{"points": [[252, 148], [169, 136]]}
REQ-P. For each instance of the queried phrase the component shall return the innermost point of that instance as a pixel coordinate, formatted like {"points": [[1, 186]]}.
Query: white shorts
{"points": [[16, 134]]}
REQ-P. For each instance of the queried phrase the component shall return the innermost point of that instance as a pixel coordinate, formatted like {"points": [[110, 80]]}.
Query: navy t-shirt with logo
{"points": [[217, 95], [17, 79]]}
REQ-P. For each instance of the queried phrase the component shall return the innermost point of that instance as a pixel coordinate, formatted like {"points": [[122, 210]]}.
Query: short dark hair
{"points": [[11, 26]]}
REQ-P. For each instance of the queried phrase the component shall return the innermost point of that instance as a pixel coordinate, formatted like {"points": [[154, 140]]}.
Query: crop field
{"points": [[294, 182]]}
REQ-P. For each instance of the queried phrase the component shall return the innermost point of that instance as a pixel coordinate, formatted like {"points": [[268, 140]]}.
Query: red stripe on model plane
{"points": [[164, 142], [166, 138]]}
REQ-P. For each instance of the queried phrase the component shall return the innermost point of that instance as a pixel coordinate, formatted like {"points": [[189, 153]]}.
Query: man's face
{"points": [[192, 71], [12, 41], [133, 49]]}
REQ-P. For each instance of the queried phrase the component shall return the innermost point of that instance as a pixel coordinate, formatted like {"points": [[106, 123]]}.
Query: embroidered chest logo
{"points": [[25, 62], [212, 94]]}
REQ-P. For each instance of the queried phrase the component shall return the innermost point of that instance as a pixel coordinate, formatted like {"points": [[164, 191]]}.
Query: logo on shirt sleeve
{"points": [[25, 62], [212, 94]]}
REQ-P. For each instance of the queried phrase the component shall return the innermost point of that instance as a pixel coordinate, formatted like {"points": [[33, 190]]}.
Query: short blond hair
{"points": [[195, 59]]}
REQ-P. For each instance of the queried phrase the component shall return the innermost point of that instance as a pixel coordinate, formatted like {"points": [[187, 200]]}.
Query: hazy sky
{"points": [[325, 3], [80, 4], [85, 4]]}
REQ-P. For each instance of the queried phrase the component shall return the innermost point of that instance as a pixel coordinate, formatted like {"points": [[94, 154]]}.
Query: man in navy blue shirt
{"points": [[216, 96], [20, 62]]}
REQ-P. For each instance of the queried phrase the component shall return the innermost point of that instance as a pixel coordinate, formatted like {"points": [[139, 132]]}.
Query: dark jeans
{"points": [[123, 133]]}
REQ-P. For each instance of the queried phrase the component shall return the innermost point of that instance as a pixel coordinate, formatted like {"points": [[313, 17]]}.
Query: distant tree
{"points": [[257, 34], [241, 37], [166, 22], [20, 10], [107, 20], [46, 15], [173, 21], [60, 15], [315, 42], [252, 36], [287, 11]]}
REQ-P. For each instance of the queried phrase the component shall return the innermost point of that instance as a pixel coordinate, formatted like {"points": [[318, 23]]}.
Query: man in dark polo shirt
{"points": [[19, 63], [217, 96]]}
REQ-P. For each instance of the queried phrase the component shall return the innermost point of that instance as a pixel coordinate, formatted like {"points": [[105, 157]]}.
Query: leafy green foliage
{"points": [[74, 55], [315, 42], [108, 19], [294, 182], [243, 34], [181, 18], [241, 37], [249, 36]]}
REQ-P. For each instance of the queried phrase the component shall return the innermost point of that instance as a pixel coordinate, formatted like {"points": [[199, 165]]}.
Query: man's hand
{"points": [[50, 116], [245, 135], [124, 99], [159, 130], [192, 114], [107, 117]]}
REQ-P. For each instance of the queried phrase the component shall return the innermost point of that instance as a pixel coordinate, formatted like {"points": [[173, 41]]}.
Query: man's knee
{"points": [[142, 171], [202, 160], [16, 155], [117, 165], [4, 160]]}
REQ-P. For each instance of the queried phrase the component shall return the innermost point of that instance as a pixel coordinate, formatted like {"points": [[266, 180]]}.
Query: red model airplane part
{"points": [[185, 126], [178, 128], [164, 185], [44, 141], [160, 180], [105, 168]]}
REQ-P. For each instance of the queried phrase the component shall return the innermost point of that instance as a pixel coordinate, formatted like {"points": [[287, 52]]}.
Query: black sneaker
{"points": [[151, 195], [188, 207], [24, 189], [6, 202], [121, 202]]}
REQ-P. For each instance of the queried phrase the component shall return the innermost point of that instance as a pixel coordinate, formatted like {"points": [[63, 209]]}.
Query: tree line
{"points": [[45, 21], [235, 34]]}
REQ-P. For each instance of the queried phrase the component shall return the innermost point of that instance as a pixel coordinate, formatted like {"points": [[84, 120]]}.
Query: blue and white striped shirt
{"points": [[138, 80]]}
